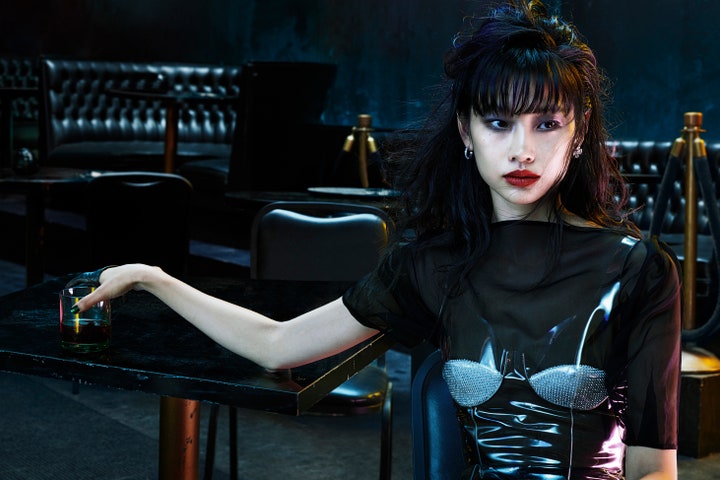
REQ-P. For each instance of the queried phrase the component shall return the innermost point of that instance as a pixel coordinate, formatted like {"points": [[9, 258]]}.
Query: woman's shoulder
{"points": [[653, 249], [652, 262], [637, 249]]}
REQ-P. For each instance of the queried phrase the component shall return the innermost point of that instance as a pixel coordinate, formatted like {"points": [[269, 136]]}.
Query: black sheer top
{"points": [[558, 354]]}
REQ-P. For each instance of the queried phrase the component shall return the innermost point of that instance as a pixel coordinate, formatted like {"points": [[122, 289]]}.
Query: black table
{"points": [[154, 350], [172, 100], [36, 188], [384, 199]]}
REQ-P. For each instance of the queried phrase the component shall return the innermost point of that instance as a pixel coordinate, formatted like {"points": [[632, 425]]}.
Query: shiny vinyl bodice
{"points": [[560, 351]]}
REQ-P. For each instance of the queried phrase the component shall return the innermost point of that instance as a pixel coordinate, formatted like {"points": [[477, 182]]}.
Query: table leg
{"points": [[34, 238], [172, 111], [179, 438]]}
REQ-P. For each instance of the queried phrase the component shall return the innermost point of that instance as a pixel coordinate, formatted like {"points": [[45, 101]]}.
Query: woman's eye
{"points": [[497, 124], [549, 125]]}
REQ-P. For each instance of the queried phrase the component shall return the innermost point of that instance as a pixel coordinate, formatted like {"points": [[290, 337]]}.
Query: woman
{"points": [[559, 325]]}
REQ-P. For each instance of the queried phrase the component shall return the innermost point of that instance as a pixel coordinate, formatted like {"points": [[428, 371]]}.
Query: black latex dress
{"points": [[554, 371]]}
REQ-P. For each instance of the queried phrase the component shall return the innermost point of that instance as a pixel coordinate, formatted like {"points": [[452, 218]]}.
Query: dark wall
{"points": [[662, 56], [659, 54], [388, 51]]}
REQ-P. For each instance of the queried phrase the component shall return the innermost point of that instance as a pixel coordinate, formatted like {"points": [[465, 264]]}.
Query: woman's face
{"points": [[520, 158]]}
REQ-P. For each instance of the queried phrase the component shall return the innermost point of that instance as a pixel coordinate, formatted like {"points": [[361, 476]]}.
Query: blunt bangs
{"points": [[523, 81]]}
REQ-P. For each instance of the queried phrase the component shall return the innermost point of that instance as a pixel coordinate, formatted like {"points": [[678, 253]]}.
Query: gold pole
{"points": [[696, 148], [694, 358], [366, 145]]}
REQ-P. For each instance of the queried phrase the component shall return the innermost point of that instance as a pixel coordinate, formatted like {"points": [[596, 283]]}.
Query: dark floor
{"points": [[103, 433], [50, 433]]}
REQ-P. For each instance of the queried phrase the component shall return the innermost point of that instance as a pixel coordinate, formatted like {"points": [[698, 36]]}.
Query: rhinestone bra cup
{"points": [[578, 387]]}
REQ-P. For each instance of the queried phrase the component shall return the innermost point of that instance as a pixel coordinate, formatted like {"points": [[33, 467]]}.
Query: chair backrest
{"points": [[139, 217], [281, 105], [436, 433], [319, 241]]}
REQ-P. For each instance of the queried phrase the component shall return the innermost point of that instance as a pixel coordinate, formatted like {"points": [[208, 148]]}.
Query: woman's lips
{"points": [[521, 178]]}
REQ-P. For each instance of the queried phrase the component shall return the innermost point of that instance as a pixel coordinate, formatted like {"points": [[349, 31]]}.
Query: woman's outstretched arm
{"points": [[311, 336]]}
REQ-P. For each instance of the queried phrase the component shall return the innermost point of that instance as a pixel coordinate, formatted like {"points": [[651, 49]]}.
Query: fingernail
{"points": [[74, 309]]}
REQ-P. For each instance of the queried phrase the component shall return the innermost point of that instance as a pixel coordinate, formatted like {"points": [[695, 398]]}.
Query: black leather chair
{"points": [[317, 241], [279, 114], [323, 241], [139, 217], [436, 433]]}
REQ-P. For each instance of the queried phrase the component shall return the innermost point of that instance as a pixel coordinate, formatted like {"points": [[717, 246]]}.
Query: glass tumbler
{"points": [[83, 332]]}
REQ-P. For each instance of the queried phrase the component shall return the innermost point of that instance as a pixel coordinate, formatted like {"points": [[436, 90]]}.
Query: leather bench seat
{"points": [[132, 155], [83, 124]]}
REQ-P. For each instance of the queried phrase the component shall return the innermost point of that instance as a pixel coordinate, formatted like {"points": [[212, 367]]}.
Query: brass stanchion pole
{"points": [[695, 359], [700, 368], [695, 147], [366, 146]]}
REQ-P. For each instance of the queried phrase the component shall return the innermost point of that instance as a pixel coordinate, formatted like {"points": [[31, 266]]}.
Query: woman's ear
{"points": [[585, 124], [586, 114], [464, 130]]}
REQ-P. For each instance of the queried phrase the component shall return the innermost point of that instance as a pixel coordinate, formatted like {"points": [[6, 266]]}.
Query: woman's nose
{"points": [[522, 149]]}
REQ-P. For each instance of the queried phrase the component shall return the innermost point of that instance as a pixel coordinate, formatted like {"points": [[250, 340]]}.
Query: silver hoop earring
{"points": [[577, 152], [468, 153]]}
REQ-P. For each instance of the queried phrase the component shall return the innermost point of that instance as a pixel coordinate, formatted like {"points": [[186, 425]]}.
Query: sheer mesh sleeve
{"points": [[397, 300], [653, 350]]}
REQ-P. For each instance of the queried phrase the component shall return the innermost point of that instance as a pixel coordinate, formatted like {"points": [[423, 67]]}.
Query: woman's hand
{"points": [[117, 281]]}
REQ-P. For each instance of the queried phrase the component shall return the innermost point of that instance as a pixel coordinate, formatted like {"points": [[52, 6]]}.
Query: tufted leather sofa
{"points": [[643, 162], [20, 129], [21, 72], [82, 125]]}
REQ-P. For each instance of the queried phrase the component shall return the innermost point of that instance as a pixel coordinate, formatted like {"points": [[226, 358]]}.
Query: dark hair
{"points": [[518, 59]]}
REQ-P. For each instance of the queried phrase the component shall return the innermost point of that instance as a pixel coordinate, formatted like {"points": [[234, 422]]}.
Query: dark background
{"points": [[659, 54]]}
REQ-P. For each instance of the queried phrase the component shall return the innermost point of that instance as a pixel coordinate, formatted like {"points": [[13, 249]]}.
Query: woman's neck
{"points": [[544, 214], [537, 213]]}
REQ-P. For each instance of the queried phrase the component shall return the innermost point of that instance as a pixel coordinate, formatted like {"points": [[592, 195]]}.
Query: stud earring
{"points": [[468, 153], [577, 152]]}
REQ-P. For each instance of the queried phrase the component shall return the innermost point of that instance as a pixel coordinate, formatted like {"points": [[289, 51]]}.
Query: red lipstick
{"points": [[521, 178]]}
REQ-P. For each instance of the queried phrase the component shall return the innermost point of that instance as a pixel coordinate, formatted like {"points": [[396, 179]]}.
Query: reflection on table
{"points": [[156, 351], [172, 100], [382, 198], [36, 188]]}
